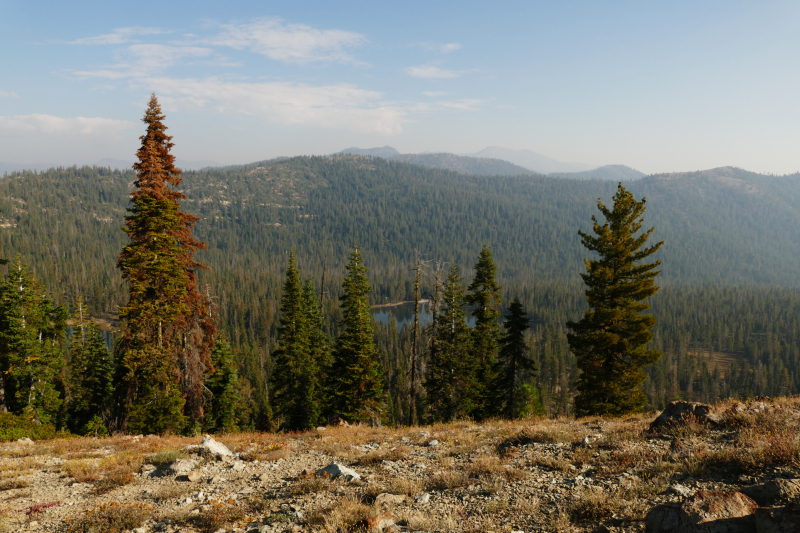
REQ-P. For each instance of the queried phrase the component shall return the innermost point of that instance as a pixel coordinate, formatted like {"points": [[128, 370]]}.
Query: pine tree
{"points": [[225, 387], [32, 331], [609, 341], [451, 378], [294, 380], [165, 349], [356, 378], [484, 296], [91, 385], [319, 348], [514, 361]]}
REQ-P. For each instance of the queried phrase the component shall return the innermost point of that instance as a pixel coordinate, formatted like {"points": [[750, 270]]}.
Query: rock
{"points": [[181, 467], [264, 477], [424, 434], [25, 441], [218, 479], [433, 442], [374, 523], [389, 499], [321, 428], [424, 498], [238, 466], [680, 413], [335, 470], [705, 512], [147, 469], [213, 449], [778, 519], [680, 490], [587, 442], [247, 490], [774, 491], [194, 476]]}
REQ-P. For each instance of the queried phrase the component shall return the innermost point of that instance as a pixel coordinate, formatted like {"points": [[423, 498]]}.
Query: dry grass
{"points": [[222, 515], [82, 471], [311, 484], [492, 466], [448, 479], [376, 458], [12, 484], [420, 521], [342, 515], [114, 479], [109, 518], [170, 492], [164, 457], [407, 487]]}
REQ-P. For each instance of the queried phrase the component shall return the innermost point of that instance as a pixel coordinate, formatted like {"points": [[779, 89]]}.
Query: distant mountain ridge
{"points": [[495, 161], [607, 172]]}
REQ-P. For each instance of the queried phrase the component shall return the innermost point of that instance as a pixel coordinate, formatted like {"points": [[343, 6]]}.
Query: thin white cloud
{"points": [[291, 43], [8, 95], [119, 36], [434, 94], [339, 106], [37, 124], [139, 60], [430, 71], [449, 47]]}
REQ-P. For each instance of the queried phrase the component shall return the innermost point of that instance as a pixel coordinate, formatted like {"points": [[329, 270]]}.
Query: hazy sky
{"points": [[659, 86]]}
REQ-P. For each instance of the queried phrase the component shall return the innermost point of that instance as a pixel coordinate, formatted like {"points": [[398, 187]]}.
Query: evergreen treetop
{"points": [[609, 341]]}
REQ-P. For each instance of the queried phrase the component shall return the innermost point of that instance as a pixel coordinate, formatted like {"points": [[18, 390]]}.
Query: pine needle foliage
{"points": [[484, 297], [295, 379], [356, 376], [609, 341], [515, 362], [451, 380], [165, 349], [91, 378], [32, 338], [225, 387]]}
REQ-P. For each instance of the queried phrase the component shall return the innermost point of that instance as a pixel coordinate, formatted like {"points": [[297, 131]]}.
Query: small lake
{"points": [[403, 314]]}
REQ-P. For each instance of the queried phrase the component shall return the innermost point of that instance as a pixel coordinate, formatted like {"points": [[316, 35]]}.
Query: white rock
{"points": [[181, 467], [424, 498], [389, 499], [214, 449], [25, 441], [335, 470], [434, 442], [238, 466], [680, 490]]}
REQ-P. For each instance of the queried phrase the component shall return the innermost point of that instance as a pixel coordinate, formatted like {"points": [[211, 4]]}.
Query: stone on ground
{"points": [[335, 470], [705, 512], [211, 448], [181, 467], [774, 491], [681, 413]]}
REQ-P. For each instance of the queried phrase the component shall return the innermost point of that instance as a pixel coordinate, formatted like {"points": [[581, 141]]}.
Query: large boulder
{"points": [[181, 467], [705, 512], [335, 470], [774, 491], [211, 449], [681, 413]]}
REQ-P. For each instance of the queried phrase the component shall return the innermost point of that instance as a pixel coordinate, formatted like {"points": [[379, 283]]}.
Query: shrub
{"points": [[82, 471], [110, 518], [164, 457], [13, 427], [113, 479], [447, 480], [11, 484]]}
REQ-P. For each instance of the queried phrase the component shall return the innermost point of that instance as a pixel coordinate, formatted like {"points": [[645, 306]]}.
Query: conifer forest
{"points": [[153, 300]]}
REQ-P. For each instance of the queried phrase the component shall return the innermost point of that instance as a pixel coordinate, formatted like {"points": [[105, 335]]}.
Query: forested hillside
{"points": [[731, 262]]}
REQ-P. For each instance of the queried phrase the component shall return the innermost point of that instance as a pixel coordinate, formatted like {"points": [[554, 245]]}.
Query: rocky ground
{"points": [[680, 475]]}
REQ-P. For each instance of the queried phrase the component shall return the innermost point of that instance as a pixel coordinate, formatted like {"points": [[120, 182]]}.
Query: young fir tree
{"points": [[225, 387], [609, 341], [515, 362], [294, 380], [451, 378], [484, 296], [319, 343], [356, 377], [32, 331], [91, 386], [165, 349]]}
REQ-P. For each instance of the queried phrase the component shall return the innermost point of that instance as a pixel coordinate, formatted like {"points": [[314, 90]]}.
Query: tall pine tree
{"points": [[356, 377], [91, 389], [515, 363], [609, 341], [32, 332], [294, 380], [224, 386], [451, 380], [165, 349], [484, 297]]}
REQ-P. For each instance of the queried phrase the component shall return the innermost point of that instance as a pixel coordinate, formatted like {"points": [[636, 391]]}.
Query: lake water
{"points": [[403, 314]]}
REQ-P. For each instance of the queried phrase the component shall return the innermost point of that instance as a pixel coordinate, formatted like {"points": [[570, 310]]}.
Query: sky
{"points": [[658, 86]]}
